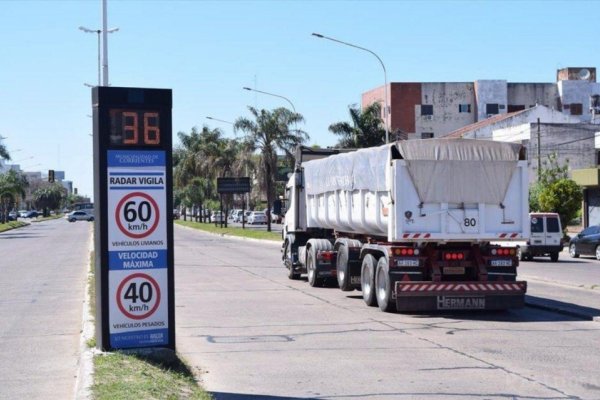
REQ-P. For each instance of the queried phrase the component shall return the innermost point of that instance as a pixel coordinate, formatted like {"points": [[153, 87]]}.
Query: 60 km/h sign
{"points": [[137, 215], [134, 212]]}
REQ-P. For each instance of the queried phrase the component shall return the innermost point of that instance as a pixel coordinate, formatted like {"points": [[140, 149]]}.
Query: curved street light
{"points": [[98, 31], [220, 120], [271, 94], [386, 111]]}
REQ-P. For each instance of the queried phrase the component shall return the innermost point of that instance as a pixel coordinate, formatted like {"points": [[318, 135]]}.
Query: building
{"points": [[434, 109]]}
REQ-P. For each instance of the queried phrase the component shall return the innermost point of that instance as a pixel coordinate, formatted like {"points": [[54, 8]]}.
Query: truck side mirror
{"points": [[298, 179]]}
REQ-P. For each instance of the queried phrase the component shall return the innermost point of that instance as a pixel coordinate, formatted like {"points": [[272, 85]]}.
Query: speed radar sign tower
{"points": [[134, 213]]}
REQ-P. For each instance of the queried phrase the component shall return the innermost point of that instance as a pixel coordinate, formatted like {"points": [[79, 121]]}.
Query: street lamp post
{"points": [[386, 111], [98, 32], [271, 94], [220, 120]]}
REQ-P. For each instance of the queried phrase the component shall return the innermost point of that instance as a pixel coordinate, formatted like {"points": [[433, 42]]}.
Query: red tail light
{"points": [[326, 256], [454, 256]]}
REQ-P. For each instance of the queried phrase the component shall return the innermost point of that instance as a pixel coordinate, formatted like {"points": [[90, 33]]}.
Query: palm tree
{"points": [[12, 186], [268, 133], [366, 129], [4, 153]]}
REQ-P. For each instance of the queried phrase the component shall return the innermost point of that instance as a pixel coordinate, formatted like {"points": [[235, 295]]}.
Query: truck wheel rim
{"points": [[381, 286], [366, 284]]}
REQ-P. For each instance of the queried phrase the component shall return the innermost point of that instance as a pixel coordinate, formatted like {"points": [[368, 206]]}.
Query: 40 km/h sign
{"points": [[134, 217]]}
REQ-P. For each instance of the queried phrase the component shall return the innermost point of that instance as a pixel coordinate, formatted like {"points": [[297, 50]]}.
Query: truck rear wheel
{"points": [[367, 280], [383, 286], [343, 274], [311, 268]]}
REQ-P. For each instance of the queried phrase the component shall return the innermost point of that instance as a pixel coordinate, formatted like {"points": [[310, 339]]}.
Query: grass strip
{"points": [[142, 374], [232, 231], [11, 225], [158, 374]]}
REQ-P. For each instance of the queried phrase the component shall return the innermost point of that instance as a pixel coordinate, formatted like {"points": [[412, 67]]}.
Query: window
{"points": [[426, 135], [552, 224], [426, 109], [576, 109], [515, 108], [491, 109], [537, 225], [464, 108]]}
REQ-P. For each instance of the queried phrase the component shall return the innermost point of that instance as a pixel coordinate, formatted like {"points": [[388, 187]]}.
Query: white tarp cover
{"points": [[460, 170], [361, 169]]}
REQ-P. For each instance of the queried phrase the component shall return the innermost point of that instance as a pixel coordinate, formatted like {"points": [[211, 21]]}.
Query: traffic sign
{"points": [[134, 231]]}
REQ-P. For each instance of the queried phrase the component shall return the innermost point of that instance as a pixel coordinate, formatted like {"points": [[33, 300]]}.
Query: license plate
{"points": [[454, 271], [407, 262], [501, 263]]}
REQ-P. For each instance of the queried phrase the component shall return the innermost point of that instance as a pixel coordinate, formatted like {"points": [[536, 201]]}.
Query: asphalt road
{"points": [[43, 271], [251, 333]]}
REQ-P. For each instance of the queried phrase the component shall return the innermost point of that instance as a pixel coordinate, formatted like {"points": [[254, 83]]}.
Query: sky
{"points": [[207, 51]]}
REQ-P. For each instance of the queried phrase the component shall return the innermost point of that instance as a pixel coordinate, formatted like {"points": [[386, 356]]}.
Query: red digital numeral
{"points": [[151, 129], [130, 127]]}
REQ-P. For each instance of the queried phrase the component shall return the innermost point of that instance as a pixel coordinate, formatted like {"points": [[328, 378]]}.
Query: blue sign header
{"points": [[136, 158]]}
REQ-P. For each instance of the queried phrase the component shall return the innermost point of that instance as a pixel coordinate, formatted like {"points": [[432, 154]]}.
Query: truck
{"points": [[413, 224]]}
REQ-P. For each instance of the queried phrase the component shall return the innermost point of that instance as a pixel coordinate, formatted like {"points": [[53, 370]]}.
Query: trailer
{"points": [[411, 224]]}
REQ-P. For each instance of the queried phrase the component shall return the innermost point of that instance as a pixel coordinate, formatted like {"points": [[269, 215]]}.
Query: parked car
{"points": [[176, 213], [587, 242], [545, 239], [238, 215], [28, 213], [12, 216], [257, 217], [217, 217], [79, 216]]}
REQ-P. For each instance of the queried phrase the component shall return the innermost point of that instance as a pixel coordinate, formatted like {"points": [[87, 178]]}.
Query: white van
{"points": [[546, 237]]}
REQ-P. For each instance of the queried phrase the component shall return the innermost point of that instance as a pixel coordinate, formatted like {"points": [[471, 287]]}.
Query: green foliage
{"points": [[551, 171], [49, 197], [534, 194], [366, 129], [563, 196], [12, 187], [267, 133]]}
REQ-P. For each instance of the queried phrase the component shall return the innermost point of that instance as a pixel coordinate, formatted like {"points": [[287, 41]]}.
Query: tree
{"points": [[563, 197], [268, 133], [12, 187], [49, 197], [4, 153], [555, 191], [366, 129]]}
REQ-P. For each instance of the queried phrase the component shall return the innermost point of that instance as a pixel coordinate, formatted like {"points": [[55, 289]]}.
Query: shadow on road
{"points": [[19, 236], [245, 396]]}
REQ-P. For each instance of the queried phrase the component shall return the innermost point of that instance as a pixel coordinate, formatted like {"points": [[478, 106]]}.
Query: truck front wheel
{"points": [[287, 259], [384, 287], [367, 280]]}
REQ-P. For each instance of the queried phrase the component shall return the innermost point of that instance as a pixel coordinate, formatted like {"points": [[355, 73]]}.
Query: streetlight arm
{"points": [[384, 74], [271, 94], [220, 120]]}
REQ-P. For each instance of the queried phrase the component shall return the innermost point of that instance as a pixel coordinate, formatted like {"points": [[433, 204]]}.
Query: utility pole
{"points": [[539, 152]]}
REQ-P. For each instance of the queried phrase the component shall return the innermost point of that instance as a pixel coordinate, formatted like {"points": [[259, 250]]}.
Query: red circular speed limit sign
{"points": [[138, 296], [137, 215]]}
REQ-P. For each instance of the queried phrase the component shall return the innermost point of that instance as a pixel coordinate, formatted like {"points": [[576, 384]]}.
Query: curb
{"points": [[270, 242], [85, 363], [561, 310]]}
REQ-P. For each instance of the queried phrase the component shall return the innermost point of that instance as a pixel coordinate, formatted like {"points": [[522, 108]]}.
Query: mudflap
{"points": [[452, 296]]}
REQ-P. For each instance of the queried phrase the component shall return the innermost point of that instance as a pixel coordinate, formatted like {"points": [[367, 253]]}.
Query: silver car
{"points": [[79, 216], [257, 217]]}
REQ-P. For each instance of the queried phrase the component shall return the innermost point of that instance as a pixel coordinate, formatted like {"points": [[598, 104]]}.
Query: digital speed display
{"points": [[134, 128]]}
